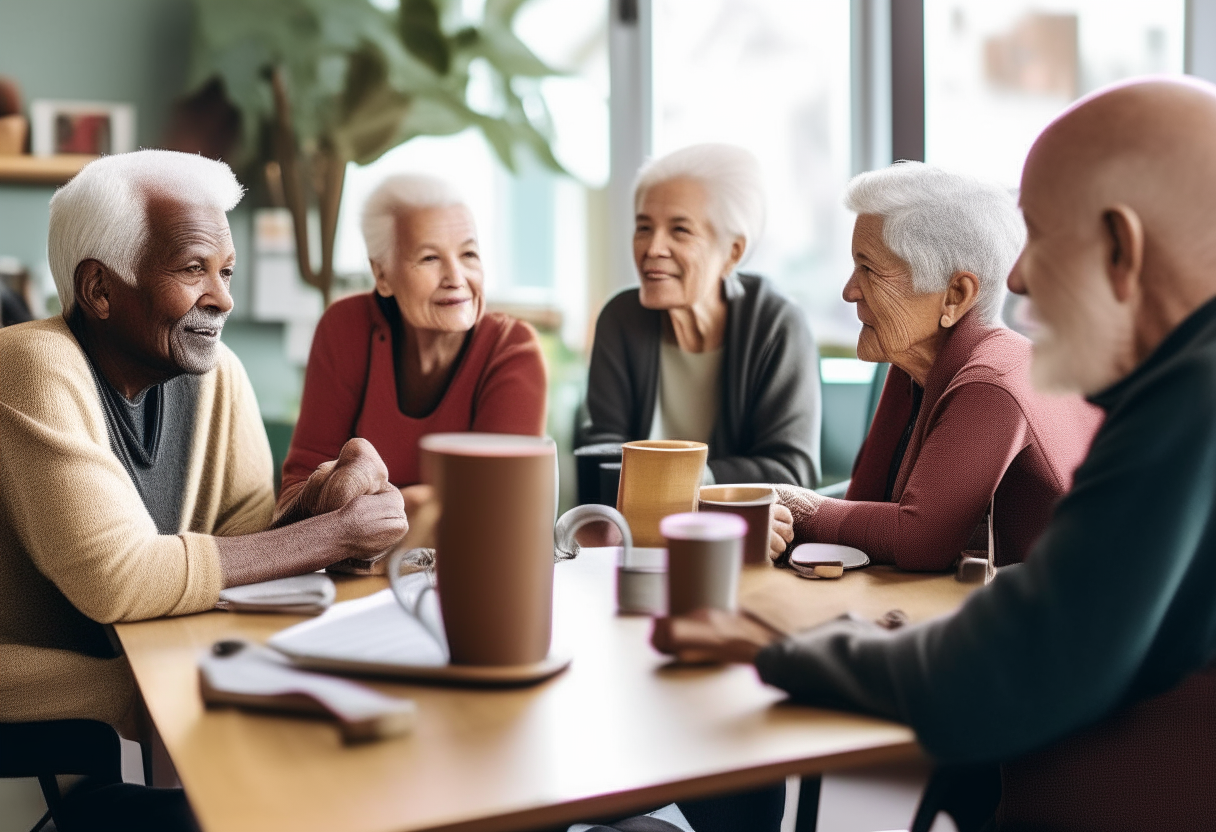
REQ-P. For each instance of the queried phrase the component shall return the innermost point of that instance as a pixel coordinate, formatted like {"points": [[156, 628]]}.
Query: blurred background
{"points": [[541, 111]]}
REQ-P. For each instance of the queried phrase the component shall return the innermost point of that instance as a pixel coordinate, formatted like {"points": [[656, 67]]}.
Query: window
{"points": [[532, 225], [771, 76], [997, 73]]}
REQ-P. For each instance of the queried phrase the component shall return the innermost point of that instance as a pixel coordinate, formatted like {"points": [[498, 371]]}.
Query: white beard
{"points": [[1084, 349]]}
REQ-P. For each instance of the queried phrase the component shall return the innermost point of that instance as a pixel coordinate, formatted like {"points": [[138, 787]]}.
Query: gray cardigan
{"points": [[767, 426]]}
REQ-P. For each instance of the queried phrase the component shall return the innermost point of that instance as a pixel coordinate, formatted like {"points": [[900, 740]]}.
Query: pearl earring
{"points": [[946, 321]]}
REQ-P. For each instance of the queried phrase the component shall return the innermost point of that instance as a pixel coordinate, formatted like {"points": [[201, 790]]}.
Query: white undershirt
{"points": [[689, 391]]}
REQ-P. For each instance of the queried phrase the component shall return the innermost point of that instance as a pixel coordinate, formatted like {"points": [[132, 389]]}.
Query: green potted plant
{"points": [[314, 84]]}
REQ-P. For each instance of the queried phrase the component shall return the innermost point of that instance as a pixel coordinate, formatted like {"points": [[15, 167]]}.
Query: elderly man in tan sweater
{"points": [[135, 475]]}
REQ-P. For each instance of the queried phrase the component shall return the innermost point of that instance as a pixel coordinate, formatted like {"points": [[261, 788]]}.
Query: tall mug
{"points": [[658, 477], [494, 544]]}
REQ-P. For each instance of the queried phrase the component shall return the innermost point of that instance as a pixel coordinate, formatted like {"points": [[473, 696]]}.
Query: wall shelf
{"points": [[25, 169]]}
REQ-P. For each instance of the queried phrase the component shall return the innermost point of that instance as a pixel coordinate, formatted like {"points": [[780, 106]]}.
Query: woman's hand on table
{"points": [[781, 534], [793, 515], [711, 637], [416, 496]]}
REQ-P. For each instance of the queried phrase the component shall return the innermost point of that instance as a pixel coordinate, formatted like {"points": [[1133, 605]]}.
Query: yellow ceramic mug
{"points": [[658, 477]]}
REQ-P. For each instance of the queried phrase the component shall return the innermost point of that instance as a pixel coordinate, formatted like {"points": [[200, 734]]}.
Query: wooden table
{"points": [[618, 731]]}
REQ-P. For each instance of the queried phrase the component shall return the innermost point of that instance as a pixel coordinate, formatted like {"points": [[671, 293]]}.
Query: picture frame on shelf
{"points": [[90, 127]]}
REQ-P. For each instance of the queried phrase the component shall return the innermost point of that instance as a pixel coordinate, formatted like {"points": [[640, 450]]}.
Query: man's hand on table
{"points": [[712, 637], [346, 509], [357, 471]]}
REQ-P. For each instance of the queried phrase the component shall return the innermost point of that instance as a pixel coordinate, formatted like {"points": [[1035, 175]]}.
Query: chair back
{"points": [[1149, 766], [66, 746]]}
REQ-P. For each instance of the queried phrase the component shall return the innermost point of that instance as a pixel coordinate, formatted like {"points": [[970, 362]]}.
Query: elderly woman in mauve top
{"points": [[699, 351], [958, 427], [418, 355]]}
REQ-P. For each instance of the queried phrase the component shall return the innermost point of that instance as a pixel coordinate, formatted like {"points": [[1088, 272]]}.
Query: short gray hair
{"points": [[940, 223], [393, 196], [101, 214], [731, 177]]}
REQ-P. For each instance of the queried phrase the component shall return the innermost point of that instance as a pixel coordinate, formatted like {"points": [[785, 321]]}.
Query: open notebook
{"points": [[371, 635], [376, 636]]}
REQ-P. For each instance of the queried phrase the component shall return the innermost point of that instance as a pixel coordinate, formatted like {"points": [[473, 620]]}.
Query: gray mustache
{"points": [[198, 318]]}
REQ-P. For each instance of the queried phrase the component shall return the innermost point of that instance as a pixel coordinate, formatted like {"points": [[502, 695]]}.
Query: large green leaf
{"points": [[363, 80], [420, 30]]}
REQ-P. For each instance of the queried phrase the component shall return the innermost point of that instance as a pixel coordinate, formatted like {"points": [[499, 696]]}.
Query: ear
{"points": [[734, 255], [1125, 247], [92, 288], [961, 294], [382, 287]]}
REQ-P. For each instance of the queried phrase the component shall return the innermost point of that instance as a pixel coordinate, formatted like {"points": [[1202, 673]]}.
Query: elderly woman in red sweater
{"points": [[418, 355], [959, 427]]}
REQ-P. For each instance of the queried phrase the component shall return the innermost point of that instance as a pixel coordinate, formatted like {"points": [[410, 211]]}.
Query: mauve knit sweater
{"points": [[982, 430], [350, 389]]}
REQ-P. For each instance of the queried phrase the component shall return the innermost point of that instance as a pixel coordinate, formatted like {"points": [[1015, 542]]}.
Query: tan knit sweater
{"points": [[76, 542]]}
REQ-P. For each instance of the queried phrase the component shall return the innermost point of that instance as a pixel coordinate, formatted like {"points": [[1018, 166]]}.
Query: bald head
{"points": [[1119, 195]]}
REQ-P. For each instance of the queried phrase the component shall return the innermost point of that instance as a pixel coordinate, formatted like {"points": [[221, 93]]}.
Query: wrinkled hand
{"points": [[781, 533], [711, 637], [800, 506], [370, 523], [358, 471]]}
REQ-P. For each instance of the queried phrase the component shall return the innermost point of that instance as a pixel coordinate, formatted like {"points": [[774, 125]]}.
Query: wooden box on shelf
{"points": [[25, 169]]}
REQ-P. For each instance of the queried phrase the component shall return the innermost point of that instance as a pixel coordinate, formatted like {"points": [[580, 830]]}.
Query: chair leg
{"points": [[808, 804], [969, 794], [42, 822], [50, 793]]}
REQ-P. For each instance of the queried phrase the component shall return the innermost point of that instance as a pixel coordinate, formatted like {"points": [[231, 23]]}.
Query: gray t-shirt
{"points": [[690, 386], [152, 436]]}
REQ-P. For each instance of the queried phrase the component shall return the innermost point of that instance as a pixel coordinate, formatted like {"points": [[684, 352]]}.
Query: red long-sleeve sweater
{"points": [[350, 389], [982, 430]]}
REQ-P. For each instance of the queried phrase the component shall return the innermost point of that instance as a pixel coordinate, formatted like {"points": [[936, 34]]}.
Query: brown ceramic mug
{"points": [[658, 477], [704, 556], [494, 544], [754, 503]]}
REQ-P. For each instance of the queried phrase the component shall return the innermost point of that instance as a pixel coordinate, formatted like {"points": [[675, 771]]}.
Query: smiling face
{"points": [[436, 273], [895, 318], [680, 259], [171, 320]]}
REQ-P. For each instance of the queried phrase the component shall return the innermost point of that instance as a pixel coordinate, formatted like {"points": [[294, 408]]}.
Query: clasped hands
{"points": [[356, 485]]}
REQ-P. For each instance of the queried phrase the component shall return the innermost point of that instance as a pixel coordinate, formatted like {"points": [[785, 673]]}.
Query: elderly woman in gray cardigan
{"points": [[699, 351]]}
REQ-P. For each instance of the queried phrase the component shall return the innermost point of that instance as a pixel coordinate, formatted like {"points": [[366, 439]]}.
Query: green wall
{"points": [[134, 51]]}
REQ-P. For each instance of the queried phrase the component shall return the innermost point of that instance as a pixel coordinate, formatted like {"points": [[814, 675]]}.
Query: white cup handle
{"points": [[410, 596]]}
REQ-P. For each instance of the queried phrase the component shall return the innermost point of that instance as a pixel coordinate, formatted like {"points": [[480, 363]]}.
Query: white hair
{"points": [[101, 214], [941, 223], [392, 197], [731, 177]]}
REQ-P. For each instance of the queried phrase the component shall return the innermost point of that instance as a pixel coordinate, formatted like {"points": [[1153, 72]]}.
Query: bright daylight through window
{"points": [[773, 77]]}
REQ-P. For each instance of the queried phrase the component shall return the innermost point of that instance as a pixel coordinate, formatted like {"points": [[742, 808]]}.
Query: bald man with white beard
{"points": [[1087, 671]]}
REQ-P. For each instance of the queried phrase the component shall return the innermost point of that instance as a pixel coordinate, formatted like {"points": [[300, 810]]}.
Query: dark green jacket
{"points": [[1115, 603], [767, 425]]}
